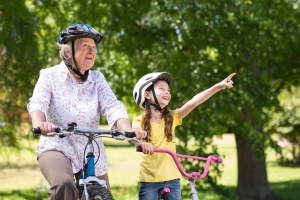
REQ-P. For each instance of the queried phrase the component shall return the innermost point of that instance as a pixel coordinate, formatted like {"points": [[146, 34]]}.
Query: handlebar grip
{"points": [[217, 159], [38, 130], [139, 149], [130, 134]]}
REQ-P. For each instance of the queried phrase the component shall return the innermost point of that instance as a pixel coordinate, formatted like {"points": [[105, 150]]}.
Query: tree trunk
{"points": [[252, 173]]}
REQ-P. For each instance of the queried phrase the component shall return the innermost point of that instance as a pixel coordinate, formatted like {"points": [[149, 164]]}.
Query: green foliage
{"points": [[198, 42], [286, 122], [19, 62]]}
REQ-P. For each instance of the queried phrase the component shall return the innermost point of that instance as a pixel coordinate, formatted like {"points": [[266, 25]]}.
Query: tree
{"points": [[286, 123], [19, 62], [199, 43], [203, 42]]}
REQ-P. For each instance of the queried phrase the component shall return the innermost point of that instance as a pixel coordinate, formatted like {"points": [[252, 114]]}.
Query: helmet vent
{"points": [[77, 31]]}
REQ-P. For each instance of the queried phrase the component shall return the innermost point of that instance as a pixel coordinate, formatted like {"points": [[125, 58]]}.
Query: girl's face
{"points": [[85, 53], [162, 92]]}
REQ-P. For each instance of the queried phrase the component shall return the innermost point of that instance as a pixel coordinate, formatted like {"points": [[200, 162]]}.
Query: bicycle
{"points": [[192, 177], [88, 185]]}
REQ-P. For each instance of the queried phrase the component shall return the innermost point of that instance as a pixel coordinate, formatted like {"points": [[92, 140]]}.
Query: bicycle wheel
{"points": [[97, 192]]}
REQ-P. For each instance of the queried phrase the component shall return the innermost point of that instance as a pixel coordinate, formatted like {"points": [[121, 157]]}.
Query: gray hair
{"points": [[63, 48]]}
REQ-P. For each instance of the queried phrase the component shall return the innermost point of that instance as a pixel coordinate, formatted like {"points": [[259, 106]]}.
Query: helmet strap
{"points": [[84, 76], [156, 105]]}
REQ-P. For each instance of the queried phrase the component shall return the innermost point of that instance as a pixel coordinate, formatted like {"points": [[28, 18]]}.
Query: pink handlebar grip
{"points": [[139, 149], [217, 159]]}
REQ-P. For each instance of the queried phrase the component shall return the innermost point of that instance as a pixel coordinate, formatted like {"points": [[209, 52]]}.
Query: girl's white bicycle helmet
{"points": [[145, 82]]}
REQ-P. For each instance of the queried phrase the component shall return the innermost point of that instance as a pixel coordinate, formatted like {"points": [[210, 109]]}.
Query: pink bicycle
{"points": [[192, 177]]}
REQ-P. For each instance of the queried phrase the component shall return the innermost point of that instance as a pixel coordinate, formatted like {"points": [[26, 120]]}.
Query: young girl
{"points": [[152, 93]]}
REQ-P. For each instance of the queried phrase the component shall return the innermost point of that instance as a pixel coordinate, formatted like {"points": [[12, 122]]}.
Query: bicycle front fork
{"points": [[87, 176]]}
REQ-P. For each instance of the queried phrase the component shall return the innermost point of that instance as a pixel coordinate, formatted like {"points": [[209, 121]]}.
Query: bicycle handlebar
{"points": [[213, 158], [73, 129]]}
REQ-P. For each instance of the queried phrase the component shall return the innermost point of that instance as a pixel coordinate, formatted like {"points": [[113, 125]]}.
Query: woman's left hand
{"points": [[140, 134]]}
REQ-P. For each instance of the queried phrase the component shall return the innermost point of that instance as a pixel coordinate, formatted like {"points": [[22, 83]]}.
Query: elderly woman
{"points": [[71, 92]]}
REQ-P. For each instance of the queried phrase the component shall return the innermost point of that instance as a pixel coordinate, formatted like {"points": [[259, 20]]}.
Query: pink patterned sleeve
{"points": [[41, 95], [109, 105]]}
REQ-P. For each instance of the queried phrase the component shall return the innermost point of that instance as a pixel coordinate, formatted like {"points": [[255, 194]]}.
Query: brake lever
{"points": [[119, 137], [132, 140]]}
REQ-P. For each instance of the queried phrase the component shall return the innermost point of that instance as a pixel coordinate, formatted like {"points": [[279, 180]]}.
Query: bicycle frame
{"points": [[193, 176], [91, 184], [88, 172]]}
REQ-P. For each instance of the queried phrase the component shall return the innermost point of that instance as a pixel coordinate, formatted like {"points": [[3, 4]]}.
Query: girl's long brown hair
{"points": [[166, 115]]}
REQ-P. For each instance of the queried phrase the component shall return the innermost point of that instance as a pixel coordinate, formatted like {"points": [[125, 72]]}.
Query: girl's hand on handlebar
{"points": [[147, 148], [140, 134], [47, 127]]}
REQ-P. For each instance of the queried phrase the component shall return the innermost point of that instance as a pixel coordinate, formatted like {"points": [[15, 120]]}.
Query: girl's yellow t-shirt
{"points": [[159, 167]]}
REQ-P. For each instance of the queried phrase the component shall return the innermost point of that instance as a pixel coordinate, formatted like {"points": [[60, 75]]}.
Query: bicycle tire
{"points": [[97, 192]]}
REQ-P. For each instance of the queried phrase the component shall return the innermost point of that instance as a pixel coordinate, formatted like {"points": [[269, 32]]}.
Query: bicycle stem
{"points": [[194, 193]]}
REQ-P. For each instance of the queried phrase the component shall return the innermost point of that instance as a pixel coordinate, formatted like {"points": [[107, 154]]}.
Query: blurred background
{"points": [[254, 127]]}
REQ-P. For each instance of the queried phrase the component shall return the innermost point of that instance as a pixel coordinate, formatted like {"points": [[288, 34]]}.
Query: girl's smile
{"points": [[162, 92]]}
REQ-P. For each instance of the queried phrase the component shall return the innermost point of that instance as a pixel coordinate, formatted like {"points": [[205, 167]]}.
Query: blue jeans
{"points": [[149, 190]]}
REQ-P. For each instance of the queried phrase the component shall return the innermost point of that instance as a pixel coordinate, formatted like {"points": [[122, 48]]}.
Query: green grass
{"points": [[22, 180]]}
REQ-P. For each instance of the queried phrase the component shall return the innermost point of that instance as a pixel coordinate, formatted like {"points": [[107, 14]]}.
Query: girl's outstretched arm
{"points": [[203, 96]]}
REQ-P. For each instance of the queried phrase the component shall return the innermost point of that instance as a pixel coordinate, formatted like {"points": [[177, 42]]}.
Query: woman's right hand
{"points": [[46, 127], [147, 148]]}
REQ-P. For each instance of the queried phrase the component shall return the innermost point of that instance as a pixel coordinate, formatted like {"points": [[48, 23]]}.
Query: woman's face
{"points": [[85, 53]]}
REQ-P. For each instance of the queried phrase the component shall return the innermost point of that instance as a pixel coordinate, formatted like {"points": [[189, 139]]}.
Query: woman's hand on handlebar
{"points": [[147, 148], [140, 134], [46, 127]]}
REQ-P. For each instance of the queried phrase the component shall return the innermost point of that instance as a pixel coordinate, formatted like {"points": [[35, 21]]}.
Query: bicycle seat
{"points": [[163, 192]]}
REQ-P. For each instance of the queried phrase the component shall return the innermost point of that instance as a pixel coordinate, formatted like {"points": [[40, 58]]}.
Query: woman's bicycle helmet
{"points": [[77, 31], [144, 83]]}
